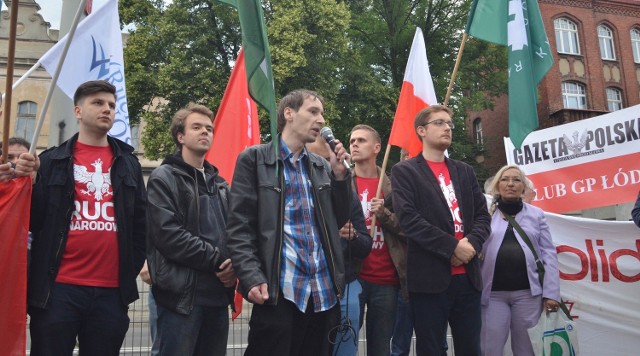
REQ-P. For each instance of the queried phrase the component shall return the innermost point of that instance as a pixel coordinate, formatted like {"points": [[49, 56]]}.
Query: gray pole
{"points": [[63, 123]]}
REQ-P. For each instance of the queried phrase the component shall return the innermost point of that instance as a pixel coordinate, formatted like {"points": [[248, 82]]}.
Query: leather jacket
{"points": [[256, 220], [175, 251], [52, 204]]}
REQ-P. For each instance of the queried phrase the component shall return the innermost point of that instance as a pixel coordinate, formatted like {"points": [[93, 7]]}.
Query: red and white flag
{"points": [[236, 125], [416, 94], [235, 128], [15, 203]]}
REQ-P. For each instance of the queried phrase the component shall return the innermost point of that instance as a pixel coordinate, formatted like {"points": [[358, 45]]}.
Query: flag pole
{"points": [[56, 74], [11, 55], [455, 69]]}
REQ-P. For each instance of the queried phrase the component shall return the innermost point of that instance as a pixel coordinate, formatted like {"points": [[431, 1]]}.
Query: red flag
{"points": [[416, 94], [235, 128], [236, 125], [15, 202]]}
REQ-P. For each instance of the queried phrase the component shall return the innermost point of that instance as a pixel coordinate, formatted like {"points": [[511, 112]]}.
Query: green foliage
{"points": [[353, 52]]}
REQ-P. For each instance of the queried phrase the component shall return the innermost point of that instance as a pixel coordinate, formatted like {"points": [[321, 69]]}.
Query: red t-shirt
{"points": [[441, 171], [91, 256], [377, 267]]}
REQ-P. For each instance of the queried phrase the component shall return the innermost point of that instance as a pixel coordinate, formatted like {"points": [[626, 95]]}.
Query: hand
{"points": [[455, 261], [27, 165], [144, 274], [347, 232], [464, 251], [227, 275], [336, 159], [6, 172], [259, 294], [377, 207], [550, 305]]}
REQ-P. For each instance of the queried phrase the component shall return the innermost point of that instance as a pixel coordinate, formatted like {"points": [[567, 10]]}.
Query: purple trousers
{"points": [[506, 312]]}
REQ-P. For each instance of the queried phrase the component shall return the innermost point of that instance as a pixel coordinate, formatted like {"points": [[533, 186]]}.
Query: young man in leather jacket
{"points": [[191, 273]]}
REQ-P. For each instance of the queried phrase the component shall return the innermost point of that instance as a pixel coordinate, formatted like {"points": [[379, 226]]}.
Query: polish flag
{"points": [[236, 125], [416, 94]]}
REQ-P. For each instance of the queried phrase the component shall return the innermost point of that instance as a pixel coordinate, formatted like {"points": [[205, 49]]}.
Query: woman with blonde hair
{"points": [[514, 294]]}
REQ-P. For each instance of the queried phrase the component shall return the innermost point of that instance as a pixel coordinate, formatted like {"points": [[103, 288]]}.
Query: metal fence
{"points": [[138, 339]]}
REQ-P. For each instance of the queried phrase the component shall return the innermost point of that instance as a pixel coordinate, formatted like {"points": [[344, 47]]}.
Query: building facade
{"points": [[596, 50]]}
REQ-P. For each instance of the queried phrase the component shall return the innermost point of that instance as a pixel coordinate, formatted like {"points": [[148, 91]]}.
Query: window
{"points": [[573, 95], [635, 44], [135, 137], [26, 122], [614, 99], [566, 36], [477, 131], [605, 38]]}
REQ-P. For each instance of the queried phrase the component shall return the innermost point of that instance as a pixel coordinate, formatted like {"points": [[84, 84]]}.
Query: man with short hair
{"points": [[286, 208], [192, 277], [88, 224], [383, 271], [443, 213]]}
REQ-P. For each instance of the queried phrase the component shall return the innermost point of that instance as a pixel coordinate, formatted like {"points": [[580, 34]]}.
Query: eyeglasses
{"points": [[515, 180], [441, 122]]}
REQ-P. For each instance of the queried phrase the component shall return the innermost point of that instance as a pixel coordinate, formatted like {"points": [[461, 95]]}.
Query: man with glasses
{"points": [[444, 216]]}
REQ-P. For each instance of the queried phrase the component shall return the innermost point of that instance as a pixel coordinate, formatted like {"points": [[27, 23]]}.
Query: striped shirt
{"points": [[304, 270]]}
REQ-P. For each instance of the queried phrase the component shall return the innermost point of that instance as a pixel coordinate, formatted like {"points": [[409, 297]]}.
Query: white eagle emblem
{"points": [[577, 144], [98, 183]]}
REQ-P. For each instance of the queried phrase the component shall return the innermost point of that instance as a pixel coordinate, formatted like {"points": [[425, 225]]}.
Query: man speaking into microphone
{"points": [[285, 211]]}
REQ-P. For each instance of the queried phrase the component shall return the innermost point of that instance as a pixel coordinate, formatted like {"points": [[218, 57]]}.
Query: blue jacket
{"points": [[52, 206]]}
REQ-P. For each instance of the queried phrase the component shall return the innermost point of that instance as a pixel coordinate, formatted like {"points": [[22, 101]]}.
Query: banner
{"points": [[599, 264], [95, 54], [584, 164], [15, 203]]}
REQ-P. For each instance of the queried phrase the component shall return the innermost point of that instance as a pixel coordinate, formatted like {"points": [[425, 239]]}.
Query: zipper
{"points": [[326, 233], [280, 229]]}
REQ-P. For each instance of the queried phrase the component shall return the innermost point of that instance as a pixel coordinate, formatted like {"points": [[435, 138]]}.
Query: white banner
{"points": [[599, 277], [95, 54], [584, 164]]}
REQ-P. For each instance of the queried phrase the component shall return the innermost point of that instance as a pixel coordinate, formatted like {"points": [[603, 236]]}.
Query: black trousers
{"points": [[283, 330]]}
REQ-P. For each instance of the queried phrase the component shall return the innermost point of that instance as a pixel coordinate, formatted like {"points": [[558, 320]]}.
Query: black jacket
{"points": [[256, 218], [357, 249], [175, 250], [635, 213], [426, 220], [52, 206]]}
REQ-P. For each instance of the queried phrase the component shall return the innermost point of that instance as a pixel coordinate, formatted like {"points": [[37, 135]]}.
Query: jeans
{"points": [[284, 330], [153, 322], [381, 315], [459, 305], [95, 315], [203, 332], [403, 329], [346, 341]]}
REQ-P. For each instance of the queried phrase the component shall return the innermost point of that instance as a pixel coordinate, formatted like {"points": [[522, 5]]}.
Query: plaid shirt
{"points": [[305, 272]]}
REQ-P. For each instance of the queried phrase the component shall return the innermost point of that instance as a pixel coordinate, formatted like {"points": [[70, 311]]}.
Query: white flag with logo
{"points": [[95, 54]]}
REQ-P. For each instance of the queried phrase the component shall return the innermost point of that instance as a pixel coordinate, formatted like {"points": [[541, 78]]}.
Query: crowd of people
{"points": [[292, 233]]}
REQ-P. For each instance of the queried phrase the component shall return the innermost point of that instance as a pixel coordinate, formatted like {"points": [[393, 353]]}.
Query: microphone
{"points": [[327, 135]]}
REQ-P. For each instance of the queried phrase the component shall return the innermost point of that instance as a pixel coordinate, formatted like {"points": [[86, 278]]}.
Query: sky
{"points": [[50, 10]]}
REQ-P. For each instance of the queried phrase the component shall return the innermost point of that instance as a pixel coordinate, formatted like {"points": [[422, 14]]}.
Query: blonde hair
{"points": [[493, 188]]}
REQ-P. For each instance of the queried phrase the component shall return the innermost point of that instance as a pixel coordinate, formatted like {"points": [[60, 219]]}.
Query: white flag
{"points": [[95, 54]]}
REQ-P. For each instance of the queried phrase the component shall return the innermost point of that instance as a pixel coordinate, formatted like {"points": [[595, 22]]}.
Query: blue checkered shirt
{"points": [[305, 272]]}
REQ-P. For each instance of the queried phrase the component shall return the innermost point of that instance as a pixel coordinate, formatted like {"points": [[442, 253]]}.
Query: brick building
{"points": [[596, 50]]}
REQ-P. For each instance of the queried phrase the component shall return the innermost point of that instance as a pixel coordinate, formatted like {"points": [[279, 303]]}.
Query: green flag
{"points": [[518, 25], [257, 57]]}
